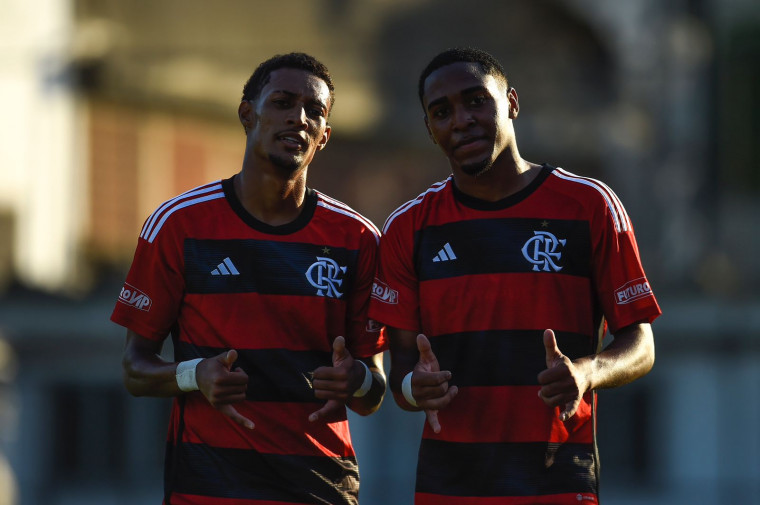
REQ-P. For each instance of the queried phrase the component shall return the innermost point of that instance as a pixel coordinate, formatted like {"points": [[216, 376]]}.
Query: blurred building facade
{"points": [[112, 107]]}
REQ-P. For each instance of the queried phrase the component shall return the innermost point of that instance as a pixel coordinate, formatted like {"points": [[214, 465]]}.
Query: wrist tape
{"points": [[367, 384], [186, 375], [406, 389]]}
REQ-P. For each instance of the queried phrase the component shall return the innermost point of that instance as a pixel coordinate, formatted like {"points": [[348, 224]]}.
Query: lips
{"points": [[468, 142], [293, 139]]}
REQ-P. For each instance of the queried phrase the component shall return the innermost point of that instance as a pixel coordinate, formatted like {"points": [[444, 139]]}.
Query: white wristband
{"points": [[186, 375], [367, 384], [406, 388]]}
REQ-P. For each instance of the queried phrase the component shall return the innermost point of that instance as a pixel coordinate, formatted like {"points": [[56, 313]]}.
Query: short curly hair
{"points": [[488, 63], [298, 61]]}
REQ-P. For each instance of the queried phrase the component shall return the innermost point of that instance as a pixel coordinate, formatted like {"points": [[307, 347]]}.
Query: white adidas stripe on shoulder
{"points": [[200, 194], [435, 188], [622, 221], [334, 205]]}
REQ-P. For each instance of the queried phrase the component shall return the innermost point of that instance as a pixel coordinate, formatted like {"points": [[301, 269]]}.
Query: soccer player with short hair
{"points": [[497, 286], [264, 285]]}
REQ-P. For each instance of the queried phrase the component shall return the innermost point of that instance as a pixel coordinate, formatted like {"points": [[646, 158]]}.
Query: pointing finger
{"points": [[432, 418], [232, 413]]}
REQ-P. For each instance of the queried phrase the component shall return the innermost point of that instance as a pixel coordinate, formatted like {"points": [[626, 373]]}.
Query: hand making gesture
{"points": [[223, 386], [428, 386], [337, 383], [563, 384]]}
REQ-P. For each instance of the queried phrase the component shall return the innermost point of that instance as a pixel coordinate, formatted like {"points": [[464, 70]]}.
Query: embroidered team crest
{"points": [[325, 275], [542, 250]]}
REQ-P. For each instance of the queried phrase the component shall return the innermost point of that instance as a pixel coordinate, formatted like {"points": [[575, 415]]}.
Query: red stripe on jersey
{"points": [[411, 203], [515, 414], [340, 207], [620, 216], [275, 426], [549, 499], [563, 305], [194, 499], [200, 190], [200, 194], [249, 323]]}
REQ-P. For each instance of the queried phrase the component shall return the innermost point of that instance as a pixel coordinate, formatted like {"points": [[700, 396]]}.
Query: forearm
{"points": [[404, 357], [629, 357], [145, 373], [145, 377]]}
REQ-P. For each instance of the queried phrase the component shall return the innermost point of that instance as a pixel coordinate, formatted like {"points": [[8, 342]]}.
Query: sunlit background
{"points": [[109, 107]]}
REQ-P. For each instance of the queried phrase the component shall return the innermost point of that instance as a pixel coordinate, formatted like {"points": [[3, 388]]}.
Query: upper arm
{"points": [[636, 338], [138, 348], [145, 372]]}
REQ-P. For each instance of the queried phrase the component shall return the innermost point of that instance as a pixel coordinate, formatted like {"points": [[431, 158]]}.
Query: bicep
{"points": [[636, 338]]}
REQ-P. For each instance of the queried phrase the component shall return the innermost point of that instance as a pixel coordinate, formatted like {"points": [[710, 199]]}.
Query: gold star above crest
{"points": [[325, 250], [544, 223]]}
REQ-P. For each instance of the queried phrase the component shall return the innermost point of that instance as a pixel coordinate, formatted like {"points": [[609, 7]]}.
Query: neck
{"points": [[508, 175], [271, 197]]}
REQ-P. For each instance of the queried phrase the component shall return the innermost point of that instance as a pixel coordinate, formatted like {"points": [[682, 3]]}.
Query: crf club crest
{"points": [[327, 276], [543, 250]]}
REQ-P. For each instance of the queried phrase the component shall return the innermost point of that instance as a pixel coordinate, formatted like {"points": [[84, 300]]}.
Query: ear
{"points": [[325, 138], [246, 115], [514, 103], [430, 133]]}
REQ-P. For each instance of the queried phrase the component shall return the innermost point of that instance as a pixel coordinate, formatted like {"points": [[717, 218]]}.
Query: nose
{"points": [[297, 117], [462, 118]]}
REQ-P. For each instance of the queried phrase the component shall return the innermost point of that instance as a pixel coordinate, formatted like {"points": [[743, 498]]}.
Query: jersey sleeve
{"points": [[149, 301], [395, 292], [365, 336], [620, 282]]}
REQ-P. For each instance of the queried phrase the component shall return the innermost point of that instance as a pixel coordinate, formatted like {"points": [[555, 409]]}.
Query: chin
{"points": [[477, 168], [290, 164]]}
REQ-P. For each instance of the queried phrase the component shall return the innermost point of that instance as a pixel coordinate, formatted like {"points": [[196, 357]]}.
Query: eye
{"points": [[440, 112], [478, 100], [316, 112]]}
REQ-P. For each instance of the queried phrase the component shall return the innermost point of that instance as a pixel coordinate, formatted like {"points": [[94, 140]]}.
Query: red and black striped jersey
{"points": [[215, 278], [483, 280]]}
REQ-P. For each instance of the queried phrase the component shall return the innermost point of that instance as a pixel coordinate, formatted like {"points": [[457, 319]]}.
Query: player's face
{"points": [[289, 118], [468, 114]]}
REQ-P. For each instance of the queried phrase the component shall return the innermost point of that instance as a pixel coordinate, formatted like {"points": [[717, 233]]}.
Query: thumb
{"points": [[552, 351], [339, 350], [426, 351], [229, 358]]}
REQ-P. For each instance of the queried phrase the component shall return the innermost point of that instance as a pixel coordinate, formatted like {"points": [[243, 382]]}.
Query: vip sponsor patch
{"points": [[135, 298], [382, 292], [632, 291]]}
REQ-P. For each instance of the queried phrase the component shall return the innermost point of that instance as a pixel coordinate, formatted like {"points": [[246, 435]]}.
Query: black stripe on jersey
{"points": [[505, 469], [492, 246], [268, 267], [249, 475], [502, 358], [274, 375]]}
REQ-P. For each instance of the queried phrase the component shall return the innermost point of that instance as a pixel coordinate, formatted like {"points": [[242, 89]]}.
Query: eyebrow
{"points": [[466, 91], [290, 94]]}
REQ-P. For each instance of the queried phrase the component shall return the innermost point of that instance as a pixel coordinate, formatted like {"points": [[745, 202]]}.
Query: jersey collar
{"points": [[309, 206]]}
